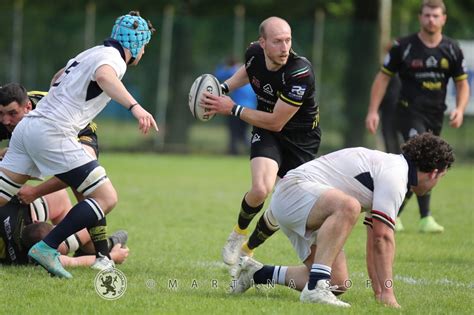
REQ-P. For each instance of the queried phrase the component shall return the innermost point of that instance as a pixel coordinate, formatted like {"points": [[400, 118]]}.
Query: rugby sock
{"points": [[261, 233], [247, 213], [405, 201], [279, 274], [98, 233], [82, 215], [424, 205], [318, 272], [264, 275]]}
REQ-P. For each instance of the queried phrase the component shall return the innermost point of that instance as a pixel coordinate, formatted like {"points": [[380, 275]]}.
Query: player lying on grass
{"points": [[318, 203], [15, 103], [24, 225], [80, 91]]}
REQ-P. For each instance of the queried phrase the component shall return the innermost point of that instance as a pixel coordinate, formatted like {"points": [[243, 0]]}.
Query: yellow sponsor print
{"points": [[444, 63], [432, 85]]}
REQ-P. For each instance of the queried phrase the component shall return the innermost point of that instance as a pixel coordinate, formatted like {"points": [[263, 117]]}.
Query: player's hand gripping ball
{"points": [[204, 83]]}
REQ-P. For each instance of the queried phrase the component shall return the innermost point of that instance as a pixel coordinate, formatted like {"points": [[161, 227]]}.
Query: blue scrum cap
{"points": [[132, 32]]}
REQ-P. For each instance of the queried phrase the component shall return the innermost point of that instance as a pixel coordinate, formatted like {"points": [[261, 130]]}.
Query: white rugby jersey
{"points": [[378, 180], [76, 98]]}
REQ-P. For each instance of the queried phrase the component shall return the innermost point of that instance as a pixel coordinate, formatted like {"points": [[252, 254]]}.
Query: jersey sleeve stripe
{"points": [[368, 221], [461, 77], [291, 102], [300, 72], [386, 71], [383, 218]]}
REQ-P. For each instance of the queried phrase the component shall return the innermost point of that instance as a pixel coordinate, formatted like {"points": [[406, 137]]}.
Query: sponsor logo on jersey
{"points": [[416, 63], [297, 92], [431, 62], [267, 88], [255, 82], [432, 85], [255, 138], [444, 63]]}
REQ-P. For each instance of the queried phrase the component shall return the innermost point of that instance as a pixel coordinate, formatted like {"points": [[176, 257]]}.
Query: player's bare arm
{"points": [[274, 121], [383, 255], [376, 95], [118, 254], [374, 280], [28, 194], [239, 79], [462, 98], [108, 81]]}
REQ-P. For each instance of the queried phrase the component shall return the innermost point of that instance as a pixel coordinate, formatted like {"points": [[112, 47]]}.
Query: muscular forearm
{"points": [[51, 185], [383, 255], [374, 280], [462, 95], [109, 82], [377, 92], [239, 79]]}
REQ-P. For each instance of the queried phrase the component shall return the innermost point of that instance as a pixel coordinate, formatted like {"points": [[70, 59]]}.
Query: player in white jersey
{"points": [[318, 203], [78, 93]]}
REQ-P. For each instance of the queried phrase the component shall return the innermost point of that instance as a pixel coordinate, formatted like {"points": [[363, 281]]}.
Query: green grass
{"points": [[212, 138], [179, 210]]}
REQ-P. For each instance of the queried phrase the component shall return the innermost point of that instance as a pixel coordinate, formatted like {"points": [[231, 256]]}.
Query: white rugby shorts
{"points": [[39, 147], [291, 204]]}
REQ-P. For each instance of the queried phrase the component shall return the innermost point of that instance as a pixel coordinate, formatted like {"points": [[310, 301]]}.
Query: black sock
{"points": [[424, 204], [247, 213], [405, 201], [98, 233], [318, 272], [264, 275], [82, 215], [260, 234]]}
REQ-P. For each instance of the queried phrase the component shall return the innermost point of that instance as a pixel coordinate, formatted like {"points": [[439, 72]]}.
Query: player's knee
{"points": [[350, 208], [260, 192], [8, 188], [107, 197]]}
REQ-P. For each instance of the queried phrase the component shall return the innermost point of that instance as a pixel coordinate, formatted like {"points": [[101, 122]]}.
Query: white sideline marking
{"points": [[443, 281], [210, 264], [421, 281]]}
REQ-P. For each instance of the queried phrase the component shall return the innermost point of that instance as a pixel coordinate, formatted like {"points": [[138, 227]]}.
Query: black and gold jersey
{"points": [[425, 72], [294, 84], [13, 218]]}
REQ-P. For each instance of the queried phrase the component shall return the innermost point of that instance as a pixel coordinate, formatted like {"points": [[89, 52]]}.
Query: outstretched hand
{"points": [[145, 119]]}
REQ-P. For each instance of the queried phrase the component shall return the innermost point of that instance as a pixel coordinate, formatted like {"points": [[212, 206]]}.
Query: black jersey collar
{"points": [[412, 175], [110, 42]]}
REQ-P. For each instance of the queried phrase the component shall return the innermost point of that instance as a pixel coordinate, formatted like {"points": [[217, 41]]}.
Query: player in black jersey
{"points": [[15, 103], [424, 61], [286, 130], [22, 225]]}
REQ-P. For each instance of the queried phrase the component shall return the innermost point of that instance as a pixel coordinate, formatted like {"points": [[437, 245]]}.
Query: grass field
{"points": [[178, 211]]}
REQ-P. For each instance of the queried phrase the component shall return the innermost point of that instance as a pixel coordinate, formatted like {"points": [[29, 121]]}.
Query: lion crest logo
{"points": [[110, 284]]}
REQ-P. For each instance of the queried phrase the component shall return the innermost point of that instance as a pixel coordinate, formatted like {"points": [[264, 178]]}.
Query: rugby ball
{"points": [[204, 83]]}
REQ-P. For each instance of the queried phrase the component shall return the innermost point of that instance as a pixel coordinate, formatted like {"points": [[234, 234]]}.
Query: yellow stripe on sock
{"points": [[237, 229], [245, 248]]}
